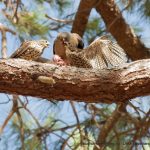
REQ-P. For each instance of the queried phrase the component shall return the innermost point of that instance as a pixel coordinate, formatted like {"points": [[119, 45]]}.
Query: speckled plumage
{"points": [[30, 50], [101, 53]]}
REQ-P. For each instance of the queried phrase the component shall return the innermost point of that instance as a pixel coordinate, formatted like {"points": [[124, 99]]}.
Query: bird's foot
{"points": [[59, 61]]}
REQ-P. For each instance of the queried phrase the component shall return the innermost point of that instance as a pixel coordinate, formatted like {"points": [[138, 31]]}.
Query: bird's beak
{"points": [[47, 44], [62, 39]]}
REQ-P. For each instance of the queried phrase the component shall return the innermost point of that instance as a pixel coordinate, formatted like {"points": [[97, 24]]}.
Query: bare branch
{"points": [[111, 85], [6, 29], [15, 16], [4, 48], [59, 20], [82, 15], [110, 123], [77, 119], [11, 113], [3, 30]]}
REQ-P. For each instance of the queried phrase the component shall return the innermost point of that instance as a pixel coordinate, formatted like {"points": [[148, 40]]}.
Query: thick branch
{"points": [[53, 82], [121, 31], [113, 18], [82, 15]]}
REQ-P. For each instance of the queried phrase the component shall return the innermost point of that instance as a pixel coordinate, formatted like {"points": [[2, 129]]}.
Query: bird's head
{"points": [[44, 43], [64, 37]]}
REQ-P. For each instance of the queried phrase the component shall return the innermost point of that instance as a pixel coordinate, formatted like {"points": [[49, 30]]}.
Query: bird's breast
{"points": [[60, 49]]}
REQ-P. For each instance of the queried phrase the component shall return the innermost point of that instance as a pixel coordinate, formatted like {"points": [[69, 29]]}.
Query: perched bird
{"points": [[30, 50], [59, 49], [101, 53]]}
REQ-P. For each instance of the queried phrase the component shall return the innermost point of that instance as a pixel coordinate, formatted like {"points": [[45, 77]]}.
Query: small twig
{"points": [[34, 118], [127, 5], [13, 110], [4, 48], [6, 101], [77, 119], [3, 30], [59, 20], [136, 109], [21, 129], [57, 27], [6, 29], [108, 126], [122, 133], [6, 121], [65, 143], [45, 143], [16, 10]]}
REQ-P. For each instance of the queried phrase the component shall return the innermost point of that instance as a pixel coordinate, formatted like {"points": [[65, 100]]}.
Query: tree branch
{"points": [[82, 15], [54, 82], [4, 28], [59, 20], [113, 18], [121, 31]]}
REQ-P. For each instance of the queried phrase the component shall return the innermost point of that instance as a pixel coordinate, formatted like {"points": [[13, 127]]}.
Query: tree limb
{"points": [[121, 31], [82, 15], [54, 82], [113, 18], [6, 29]]}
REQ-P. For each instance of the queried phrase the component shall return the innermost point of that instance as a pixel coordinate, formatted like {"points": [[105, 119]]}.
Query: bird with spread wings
{"points": [[101, 53], [59, 49]]}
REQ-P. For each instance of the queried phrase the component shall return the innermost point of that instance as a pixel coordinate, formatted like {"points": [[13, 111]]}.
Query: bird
{"points": [[102, 53], [30, 50], [59, 46]]}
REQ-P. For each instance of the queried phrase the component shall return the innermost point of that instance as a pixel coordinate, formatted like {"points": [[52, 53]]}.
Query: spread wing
{"points": [[24, 48], [103, 53]]}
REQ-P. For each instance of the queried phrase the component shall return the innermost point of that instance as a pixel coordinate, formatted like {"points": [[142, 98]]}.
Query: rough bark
{"points": [[82, 15], [121, 31], [53, 82], [115, 24]]}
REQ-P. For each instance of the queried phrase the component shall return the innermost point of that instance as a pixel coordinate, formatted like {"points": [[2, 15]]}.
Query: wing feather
{"points": [[23, 47], [103, 53]]}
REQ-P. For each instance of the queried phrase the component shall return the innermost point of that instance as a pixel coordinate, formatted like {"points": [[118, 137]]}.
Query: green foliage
{"points": [[93, 25], [140, 6], [93, 29], [60, 5], [42, 1], [30, 24], [145, 9], [33, 143]]}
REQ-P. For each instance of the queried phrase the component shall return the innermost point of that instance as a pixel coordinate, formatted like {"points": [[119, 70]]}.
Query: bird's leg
{"points": [[58, 60]]}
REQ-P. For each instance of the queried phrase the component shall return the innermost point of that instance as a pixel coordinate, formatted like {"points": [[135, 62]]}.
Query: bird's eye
{"points": [[47, 42]]}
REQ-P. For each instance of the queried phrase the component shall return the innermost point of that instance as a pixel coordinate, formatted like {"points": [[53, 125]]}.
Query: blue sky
{"points": [[65, 110]]}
